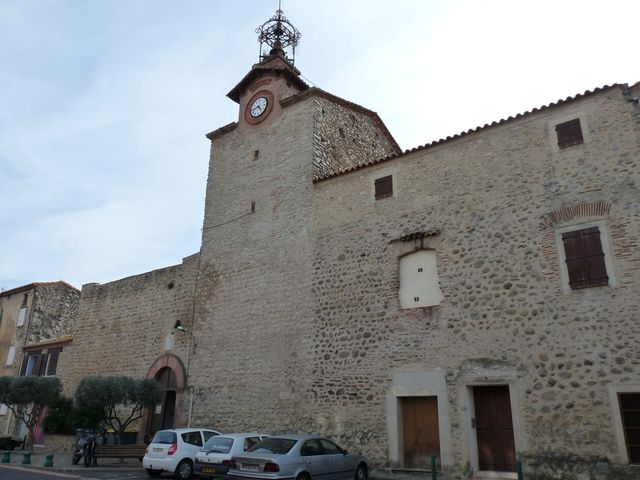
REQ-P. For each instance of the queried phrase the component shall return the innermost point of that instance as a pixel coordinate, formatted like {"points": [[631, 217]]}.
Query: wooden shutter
{"points": [[630, 412], [52, 364], [569, 133], [585, 258], [384, 187]]}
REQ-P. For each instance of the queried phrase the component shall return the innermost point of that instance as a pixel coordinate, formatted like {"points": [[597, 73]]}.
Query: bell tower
{"points": [[274, 77]]}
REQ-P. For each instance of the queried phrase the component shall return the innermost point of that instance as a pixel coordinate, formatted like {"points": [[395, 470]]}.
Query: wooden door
{"points": [[494, 429], [420, 430]]}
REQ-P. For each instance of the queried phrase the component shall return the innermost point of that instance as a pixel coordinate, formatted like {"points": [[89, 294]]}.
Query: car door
{"points": [[314, 460], [193, 442], [340, 465]]}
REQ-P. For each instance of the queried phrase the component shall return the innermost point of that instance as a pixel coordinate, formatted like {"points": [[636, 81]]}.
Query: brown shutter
{"points": [[585, 258], [569, 133], [384, 187], [52, 364]]}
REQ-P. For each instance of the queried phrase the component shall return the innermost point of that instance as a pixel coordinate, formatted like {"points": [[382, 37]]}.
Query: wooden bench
{"points": [[120, 451]]}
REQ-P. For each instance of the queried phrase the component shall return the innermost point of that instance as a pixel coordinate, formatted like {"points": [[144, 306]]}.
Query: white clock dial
{"points": [[258, 107]]}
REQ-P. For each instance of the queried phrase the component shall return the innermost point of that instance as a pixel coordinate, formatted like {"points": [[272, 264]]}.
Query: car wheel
{"points": [[361, 472], [153, 473], [184, 470], [303, 476]]}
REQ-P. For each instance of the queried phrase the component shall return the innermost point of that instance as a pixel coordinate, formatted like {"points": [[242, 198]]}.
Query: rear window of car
{"points": [[274, 445], [218, 445], [164, 436]]}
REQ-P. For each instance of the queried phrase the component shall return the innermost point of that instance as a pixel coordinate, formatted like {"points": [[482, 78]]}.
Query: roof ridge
{"points": [[477, 129]]}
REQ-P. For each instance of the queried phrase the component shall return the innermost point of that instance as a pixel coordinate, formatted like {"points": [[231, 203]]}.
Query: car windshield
{"points": [[164, 436], [218, 445], [273, 445]]}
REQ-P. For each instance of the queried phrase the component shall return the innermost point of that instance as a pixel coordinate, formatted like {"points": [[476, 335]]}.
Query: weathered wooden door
{"points": [[494, 428], [420, 430]]}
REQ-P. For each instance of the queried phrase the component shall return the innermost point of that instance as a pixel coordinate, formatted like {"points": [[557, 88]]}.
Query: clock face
{"points": [[259, 106]]}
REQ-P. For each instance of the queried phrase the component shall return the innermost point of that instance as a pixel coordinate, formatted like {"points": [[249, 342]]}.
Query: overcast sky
{"points": [[104, 104]]}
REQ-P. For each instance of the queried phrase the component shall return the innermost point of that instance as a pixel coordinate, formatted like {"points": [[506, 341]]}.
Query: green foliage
{"points": [[64, 417], [28, 396], [120, 399]]}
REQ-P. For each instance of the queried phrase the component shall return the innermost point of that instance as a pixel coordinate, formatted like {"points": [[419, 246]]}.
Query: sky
{"points": [[104, 104]]}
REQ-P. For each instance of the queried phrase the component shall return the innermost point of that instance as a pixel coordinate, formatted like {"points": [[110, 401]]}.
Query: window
{"points": [[192, 438], [585, 259], [250, 442], [52, 360], [419, 284], [310, 447], [569, 133], [330, 448], [383, 187], [3, 409], [630, 412], [11, 355], [33, 364], [22, 313]]}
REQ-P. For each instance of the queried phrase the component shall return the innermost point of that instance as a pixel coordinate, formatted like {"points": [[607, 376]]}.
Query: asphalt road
{"points": [[11, 473]]}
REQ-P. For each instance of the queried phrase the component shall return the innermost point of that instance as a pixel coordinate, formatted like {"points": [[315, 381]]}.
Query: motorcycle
{"points": [[81, 439]]}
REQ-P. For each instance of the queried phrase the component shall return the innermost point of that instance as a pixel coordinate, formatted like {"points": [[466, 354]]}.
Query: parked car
{"points": [[175, 450], [214, 459], [299, 457]]}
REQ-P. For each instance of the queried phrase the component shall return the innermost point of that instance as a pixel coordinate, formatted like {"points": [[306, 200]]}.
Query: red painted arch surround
{"points": [[173, 362]]}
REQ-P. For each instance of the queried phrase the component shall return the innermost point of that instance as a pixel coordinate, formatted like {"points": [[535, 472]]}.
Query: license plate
{"points": [[208, 470], [158, 450], [249, 466]]}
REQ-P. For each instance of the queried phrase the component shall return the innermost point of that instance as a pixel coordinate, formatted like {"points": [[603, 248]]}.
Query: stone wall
{"points": [[53, 311], [485, 196], [123, 326]]}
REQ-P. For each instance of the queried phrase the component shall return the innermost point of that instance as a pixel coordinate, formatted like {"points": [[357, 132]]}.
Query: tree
{"points": [[120, 399], [27, 397]]}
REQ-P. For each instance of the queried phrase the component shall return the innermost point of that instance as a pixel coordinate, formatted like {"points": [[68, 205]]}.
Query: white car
{"points": [[214, 459], [175, 451]]}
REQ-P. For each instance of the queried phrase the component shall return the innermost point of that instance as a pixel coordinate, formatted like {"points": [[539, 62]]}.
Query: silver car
{"points": [[215, 457], [298, 457]]}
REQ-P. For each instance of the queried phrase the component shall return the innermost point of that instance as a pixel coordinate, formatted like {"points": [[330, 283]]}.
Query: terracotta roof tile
{"points": [[477, 129]]}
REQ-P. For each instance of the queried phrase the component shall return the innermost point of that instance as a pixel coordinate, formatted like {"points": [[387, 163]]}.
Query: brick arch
{"points": [[582, 210], [174, 363], [177, 367]]}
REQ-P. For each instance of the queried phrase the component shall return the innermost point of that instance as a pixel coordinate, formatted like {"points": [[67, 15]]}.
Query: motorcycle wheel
{"points": [[77, 455], [87, 459]]}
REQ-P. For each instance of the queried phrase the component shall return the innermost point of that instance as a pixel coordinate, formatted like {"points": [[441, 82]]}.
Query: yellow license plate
{"points": [[208, 470]]}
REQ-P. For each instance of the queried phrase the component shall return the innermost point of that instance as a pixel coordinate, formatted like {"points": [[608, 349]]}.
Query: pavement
{"points": [[62, 462]]}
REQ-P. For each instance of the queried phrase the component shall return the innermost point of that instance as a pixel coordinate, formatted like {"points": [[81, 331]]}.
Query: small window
{"points": [[383, 187], [330, 448], [630, 412], [569, 133], [11, 355], [585, 258], [3, 409]]}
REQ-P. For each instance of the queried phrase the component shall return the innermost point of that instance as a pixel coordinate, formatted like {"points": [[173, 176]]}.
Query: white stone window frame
{"points": [[384, 172], [606, 249], [584, 126], [616, 417]]}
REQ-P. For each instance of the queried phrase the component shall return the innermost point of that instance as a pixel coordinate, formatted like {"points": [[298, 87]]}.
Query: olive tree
{"points": [[120, 399], [27, 397]]}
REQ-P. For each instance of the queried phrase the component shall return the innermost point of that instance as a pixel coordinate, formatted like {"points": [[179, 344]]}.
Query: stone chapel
{"points": [[475, 299]]}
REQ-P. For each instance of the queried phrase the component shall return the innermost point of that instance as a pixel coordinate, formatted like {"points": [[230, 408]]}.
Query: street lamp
{"points": [[178, 326]]}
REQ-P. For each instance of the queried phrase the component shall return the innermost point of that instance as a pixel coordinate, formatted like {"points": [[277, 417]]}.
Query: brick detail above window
{"points": [[383, 187], [569, 133]]}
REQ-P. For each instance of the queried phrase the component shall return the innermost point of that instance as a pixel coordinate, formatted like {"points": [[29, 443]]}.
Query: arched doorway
{"points": [[164, 414], [169, 372]]}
